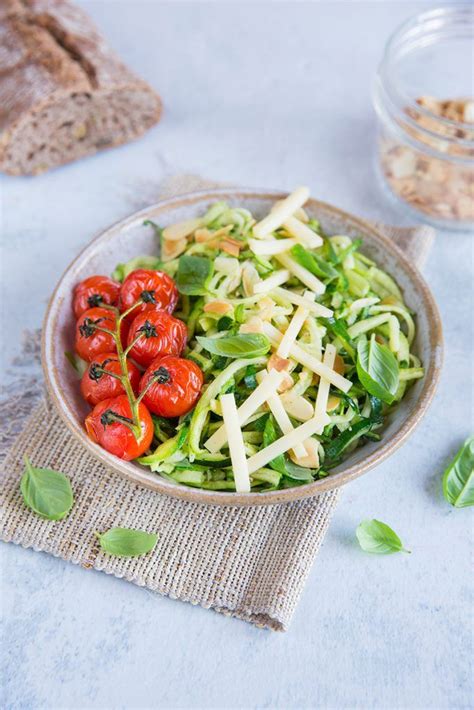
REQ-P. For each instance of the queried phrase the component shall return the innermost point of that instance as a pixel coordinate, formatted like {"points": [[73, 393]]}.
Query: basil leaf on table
{"points": [[242, 345], [194, 273], [125, 542], [378, 538], [48, 493], [377, 369], [458, 478], [314, 263]]}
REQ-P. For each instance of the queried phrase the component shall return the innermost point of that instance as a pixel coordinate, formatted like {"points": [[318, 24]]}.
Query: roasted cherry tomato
{"points": [[93, 292], [156, 333], [155, 289], [97, 385], [109, 425], [90, 341], [173, 386]]}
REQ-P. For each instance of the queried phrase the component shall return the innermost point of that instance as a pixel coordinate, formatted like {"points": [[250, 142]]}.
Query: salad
{"points": [[249, 356]]}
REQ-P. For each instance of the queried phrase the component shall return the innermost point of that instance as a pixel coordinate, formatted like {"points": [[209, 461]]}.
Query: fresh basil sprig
{"points": [[377, 368], [242, 345], [194, 274], [378, 538], [125, 542], [48, 493], [458, 478]]}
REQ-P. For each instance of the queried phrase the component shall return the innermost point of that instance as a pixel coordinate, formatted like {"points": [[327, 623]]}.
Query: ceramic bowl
{"points": [[130, 238]]}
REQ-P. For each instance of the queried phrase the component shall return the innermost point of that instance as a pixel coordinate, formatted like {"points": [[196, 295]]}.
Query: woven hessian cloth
{"points": [[250, 563]]}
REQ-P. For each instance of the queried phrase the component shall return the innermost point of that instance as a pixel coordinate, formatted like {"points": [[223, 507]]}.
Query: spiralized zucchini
{"points": [[371, 328]]}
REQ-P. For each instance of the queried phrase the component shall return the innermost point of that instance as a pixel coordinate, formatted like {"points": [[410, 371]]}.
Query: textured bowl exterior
{"points": [[129, 238]]}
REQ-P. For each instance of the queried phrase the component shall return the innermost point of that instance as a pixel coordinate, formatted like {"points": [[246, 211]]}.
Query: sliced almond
{"points": [[286, 383], [339, 365], [171, 249], [297, 406], [181, 230], [218, 307], [202, 235], [249, 278], [230, 246], [311, 460], [280, 364], [333, 403], [253, 325]]}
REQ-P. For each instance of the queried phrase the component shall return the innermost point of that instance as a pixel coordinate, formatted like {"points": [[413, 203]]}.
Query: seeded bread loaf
{"points": [[64, 93]]}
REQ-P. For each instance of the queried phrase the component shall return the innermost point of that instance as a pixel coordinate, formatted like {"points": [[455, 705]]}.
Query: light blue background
{"points": [[276, 95]]}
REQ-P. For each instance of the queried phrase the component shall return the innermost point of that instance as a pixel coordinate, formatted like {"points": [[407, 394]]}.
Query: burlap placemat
{"points": [[250, 563]]}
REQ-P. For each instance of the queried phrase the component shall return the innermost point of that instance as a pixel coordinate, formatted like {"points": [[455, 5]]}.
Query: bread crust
{"points": [[51, 53]]}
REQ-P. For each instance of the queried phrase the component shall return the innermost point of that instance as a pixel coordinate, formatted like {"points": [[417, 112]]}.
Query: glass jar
{"points": [[423, 97]]}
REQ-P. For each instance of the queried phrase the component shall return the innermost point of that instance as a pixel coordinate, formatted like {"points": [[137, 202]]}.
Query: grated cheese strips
{"points": [[288, 441], [281, 212], [236, 444], [323, 389], [302, 233], [309, 361], [298, 300], [293, 329], [276, 279], [306, 277], [283, 420], [270, 247], [267, 386]]}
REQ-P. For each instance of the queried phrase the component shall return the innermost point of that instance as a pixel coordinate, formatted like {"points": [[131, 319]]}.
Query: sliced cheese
{"points": [[299, 213], [282, 419], [286, 442], [299, 300], [291, 333], [302, 233], [306, 277], [309, 361], [266, 388], [270, 247], [281, 212], [276, 279], [324, 384], [236, 443]]}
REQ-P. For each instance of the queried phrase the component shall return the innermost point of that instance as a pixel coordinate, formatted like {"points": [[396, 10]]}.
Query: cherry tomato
{"points": [[93, 292], [90, 341], [156, 289], [97, 385], [109, 425], [173, 386], [158, 334]]}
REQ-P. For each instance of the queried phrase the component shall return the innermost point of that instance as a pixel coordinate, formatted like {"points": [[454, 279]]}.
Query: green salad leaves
{"points": [[458, 478]]}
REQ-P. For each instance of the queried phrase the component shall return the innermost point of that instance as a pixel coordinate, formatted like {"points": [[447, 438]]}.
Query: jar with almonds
{"points": [[423, 97]]}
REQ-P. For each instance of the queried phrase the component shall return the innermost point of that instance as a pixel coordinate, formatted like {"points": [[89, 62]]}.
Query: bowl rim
{"points": [[153, 481]]}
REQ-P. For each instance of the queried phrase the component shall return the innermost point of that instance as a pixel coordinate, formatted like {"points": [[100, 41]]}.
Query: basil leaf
{"points": [[458, 479], [377, 368], [298, 473], [194, 273], [314, 263], [125, 542], [242, 345], [378, 538], [76, 362], [339, 330], [269, 436], [121, 271], [336, 447], [48, 493], [225, 323]]}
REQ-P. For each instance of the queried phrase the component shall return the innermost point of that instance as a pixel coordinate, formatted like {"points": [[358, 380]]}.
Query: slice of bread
{"points": [[64, 93]]}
